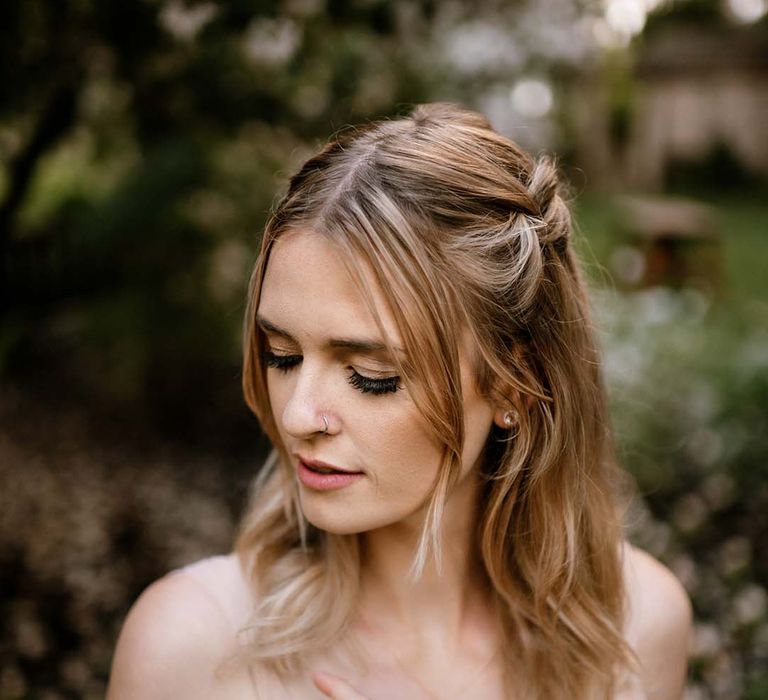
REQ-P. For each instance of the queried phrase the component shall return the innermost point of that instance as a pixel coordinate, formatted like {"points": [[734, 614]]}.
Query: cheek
{"points": [[401, 454], [278, 393]]}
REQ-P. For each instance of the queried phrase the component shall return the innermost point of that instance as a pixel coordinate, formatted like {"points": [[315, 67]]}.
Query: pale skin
{"points": [[433, 638]]}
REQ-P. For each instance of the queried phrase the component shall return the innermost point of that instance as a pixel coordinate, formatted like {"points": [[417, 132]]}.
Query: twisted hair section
{"points": [[468, 234]]}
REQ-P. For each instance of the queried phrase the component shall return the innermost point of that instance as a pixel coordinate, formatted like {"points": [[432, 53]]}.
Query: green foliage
{"points": [[151, 140], [688, 382], [689, 388]]}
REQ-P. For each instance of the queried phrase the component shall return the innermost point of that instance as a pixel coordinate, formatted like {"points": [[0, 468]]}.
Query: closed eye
{"points": [[282, 362], [368, 385]]}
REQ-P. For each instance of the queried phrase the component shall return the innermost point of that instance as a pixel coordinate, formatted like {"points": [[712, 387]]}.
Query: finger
{"points": [[335, 687]]}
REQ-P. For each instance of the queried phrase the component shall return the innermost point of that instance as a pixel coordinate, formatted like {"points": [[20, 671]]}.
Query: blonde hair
{"points": [[464, 231]]}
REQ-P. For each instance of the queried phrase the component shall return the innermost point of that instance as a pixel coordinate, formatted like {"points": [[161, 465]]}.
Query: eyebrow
{"points": [[357, 345]]}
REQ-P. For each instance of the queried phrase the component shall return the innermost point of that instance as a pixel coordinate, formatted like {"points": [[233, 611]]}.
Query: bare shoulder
{"points": [[658, 626], [174, 638]]}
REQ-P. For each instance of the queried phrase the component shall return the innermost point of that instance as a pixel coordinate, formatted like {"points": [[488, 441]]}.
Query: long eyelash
{"points": [[367, 385], [374, 386], [281, 362]]}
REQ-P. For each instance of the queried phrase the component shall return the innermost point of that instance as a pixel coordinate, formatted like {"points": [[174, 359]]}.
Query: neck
{"points": [[439, 603]]}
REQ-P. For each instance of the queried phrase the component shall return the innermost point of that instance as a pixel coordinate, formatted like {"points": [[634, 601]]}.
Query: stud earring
{"points": [[510, 419]]}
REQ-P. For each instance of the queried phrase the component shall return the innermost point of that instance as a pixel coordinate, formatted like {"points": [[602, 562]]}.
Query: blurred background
{"points": [[143, 142]]}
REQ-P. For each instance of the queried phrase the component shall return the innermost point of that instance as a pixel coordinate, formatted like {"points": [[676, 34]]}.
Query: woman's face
{"points": [[326, 358]]}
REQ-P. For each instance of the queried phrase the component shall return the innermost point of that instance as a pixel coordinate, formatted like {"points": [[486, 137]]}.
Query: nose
{"points": [[305, 413]]}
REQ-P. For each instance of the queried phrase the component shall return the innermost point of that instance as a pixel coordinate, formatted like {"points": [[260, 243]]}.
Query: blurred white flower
{"points": [[696, 303], [656, 305], [29, 634], [551, 31], [272, 42], [695, 691], [304, 8], [625, 363], [628, 264], [747, 11], [724, 676], [533, 134], [310, 100], [705, 447], [685, 569], [706, 642], [702, 404], [734, 555], [532, 97], [184, 22], [626, 16], [473, 47], [689, 512], [753, 353], [750, 604], [719, 489], [606, 36]]}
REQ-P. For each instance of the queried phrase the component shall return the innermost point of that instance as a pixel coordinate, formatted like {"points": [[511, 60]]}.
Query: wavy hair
{"points": [[465, 232]]}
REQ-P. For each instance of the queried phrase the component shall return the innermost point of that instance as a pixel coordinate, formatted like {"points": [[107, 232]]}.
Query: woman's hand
{"points": [[335, 687]]}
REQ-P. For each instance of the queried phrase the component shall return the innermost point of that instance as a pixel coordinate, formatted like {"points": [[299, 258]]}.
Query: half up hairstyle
{"points": [[466, 233]]}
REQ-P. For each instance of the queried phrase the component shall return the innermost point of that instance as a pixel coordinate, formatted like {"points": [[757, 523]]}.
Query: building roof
{"points": [[703, 50]]}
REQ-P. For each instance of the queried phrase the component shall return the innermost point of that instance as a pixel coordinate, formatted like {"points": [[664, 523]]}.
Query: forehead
{"points": [[308, 289]]}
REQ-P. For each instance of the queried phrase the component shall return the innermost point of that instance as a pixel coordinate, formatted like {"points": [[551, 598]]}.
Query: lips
{"points": [[322, 476], [321, 467]]}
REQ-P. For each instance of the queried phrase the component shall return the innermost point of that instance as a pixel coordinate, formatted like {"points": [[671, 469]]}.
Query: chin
{"points": [[340, 519], [337, 526]]}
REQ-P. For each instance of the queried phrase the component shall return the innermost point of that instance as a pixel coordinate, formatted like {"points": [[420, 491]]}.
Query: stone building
{"points": [[695, 90]]}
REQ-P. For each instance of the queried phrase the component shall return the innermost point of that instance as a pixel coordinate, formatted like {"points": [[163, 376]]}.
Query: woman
{"points": [[439, 516]]}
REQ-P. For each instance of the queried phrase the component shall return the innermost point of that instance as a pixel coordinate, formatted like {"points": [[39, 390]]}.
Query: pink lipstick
{"points": [[325, 477]]}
